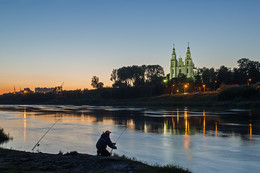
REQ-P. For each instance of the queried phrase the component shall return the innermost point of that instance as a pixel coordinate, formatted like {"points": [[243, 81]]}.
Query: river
{"points": [[200, 139]]}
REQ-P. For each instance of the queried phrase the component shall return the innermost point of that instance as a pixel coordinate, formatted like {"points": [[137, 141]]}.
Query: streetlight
{"points": [[204, 86], [185, 86], [249, 81], [172, 89], [215, 82]]}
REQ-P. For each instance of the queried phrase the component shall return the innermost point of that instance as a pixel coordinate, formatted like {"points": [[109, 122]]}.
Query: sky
{"points": [[44, 43]]}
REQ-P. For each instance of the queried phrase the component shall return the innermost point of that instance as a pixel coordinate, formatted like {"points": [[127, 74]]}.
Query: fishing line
{"points": [[37, 144], [118, 138]]}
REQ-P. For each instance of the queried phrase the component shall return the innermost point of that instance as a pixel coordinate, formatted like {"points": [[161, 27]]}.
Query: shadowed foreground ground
{"points": [[18, 161]]}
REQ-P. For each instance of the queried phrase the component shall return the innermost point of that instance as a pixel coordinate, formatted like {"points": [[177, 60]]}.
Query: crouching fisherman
{"points": [[102, 143]]}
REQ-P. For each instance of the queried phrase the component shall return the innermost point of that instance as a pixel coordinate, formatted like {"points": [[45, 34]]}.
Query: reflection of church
{"points": [[179, 67]]}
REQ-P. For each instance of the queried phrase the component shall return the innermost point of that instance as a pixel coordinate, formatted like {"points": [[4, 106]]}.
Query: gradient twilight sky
{"points": [[46, 42]]}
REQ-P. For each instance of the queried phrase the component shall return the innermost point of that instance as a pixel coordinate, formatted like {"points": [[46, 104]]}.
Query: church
{"points": [[179, 67]]}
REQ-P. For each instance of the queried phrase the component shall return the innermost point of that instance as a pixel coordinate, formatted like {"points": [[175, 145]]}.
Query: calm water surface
{"points": [[203, 140]]}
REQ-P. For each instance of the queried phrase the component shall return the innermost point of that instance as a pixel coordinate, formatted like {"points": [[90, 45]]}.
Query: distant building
{"points": [[44, 90], [179, 67], [27, 91]]}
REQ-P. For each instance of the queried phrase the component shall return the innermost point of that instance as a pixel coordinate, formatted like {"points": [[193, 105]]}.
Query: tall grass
{"points": [[3, 137]]}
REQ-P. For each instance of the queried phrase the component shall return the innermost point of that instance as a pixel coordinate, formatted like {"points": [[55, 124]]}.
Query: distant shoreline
{"points": [[191, 100]]}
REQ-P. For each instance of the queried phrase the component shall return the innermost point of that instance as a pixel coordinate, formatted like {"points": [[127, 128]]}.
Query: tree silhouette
{"points": [[95, 83]]}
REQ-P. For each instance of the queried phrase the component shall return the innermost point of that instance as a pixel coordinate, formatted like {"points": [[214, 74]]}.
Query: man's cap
{"points": [[107, 132]]}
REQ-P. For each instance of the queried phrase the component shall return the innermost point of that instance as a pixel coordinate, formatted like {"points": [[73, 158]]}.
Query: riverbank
{"points": [[177, 100], [244, 96], [180, 100], [19, 161]]}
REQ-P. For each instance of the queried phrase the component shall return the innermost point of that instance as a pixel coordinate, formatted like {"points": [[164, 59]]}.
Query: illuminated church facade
{"points": [[185, 67]]}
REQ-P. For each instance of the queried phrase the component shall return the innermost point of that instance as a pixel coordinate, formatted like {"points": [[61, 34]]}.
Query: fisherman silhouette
{"points": [[102, 143]]}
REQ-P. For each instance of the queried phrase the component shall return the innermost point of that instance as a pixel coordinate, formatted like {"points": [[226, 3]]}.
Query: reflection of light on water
{"points": [[108, 121], [82, 117], [173, 126], [216, 129], [187, 146], [186, 121], [24, 125], [90, 119], [186, 135], [173, 123], [130, 124], [165, 127], [250, 132], [204, 122], [178, 116], [145, 127]]}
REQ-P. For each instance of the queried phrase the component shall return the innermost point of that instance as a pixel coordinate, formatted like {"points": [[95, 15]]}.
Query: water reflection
{"points": [[181, 122], [174, 122], [183, 136], [24, 126], [250, 132]]}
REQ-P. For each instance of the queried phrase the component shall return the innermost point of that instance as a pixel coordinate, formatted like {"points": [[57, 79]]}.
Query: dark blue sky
{"points": [[46, 42]]}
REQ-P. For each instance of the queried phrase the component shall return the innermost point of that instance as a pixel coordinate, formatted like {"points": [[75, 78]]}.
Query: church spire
{"points": [[188, 54], [173, 52]]}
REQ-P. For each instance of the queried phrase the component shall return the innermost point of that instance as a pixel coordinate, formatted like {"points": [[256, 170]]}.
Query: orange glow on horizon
{"points": [[72, 83]]}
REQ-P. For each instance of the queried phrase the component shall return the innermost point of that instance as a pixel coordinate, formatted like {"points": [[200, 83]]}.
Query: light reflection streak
{"points": [[130, 124], [250, 132], [186, 121], [145, 127], [24, 126], [173, 123], [204, 122], [178, 116], [216, 129], [165, 128], [187, 141]]}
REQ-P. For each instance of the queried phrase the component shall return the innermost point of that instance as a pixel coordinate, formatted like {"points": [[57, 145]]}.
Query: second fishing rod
{"points": [[38, 143], [118, 138]]}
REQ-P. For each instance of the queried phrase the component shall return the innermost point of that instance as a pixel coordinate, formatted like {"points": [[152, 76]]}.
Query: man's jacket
{"points": [[103, 141]]}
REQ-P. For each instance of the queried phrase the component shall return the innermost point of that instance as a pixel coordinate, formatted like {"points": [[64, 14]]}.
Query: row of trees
{"points": [[209, 79], [137, 76]]}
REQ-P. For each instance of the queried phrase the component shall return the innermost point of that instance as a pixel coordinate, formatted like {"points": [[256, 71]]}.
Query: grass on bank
{"points": [[155, 168], [3, 137]]}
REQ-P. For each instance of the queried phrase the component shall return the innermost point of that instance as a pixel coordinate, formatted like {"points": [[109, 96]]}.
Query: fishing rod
{"points": [[118, 138], [37, 144]]}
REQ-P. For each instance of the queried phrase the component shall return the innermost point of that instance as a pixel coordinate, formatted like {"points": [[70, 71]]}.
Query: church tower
{"points": [[173, 64], [189, 64]]}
